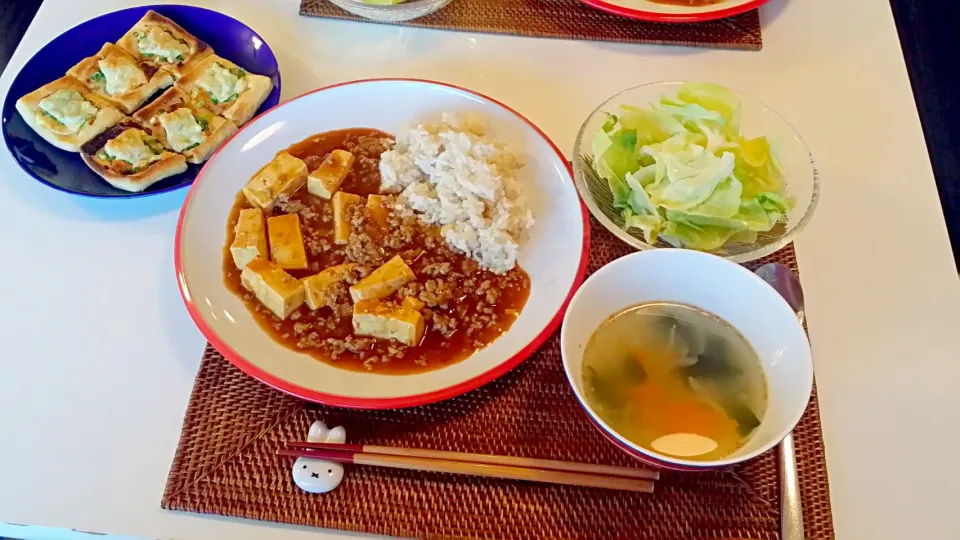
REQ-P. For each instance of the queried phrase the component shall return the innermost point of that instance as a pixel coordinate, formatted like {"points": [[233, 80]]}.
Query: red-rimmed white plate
{"points": [[554, 254], [674, 13]]}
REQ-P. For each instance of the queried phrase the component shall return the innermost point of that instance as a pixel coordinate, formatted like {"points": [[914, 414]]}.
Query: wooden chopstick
{"points": [[550, 464], [475, 469]]}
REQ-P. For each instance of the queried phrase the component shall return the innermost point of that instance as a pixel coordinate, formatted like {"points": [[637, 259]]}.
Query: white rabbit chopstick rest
{"points": [[318, 475]]}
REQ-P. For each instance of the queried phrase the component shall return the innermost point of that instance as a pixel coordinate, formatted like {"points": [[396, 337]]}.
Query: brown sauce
{"points": [[467, 307]]}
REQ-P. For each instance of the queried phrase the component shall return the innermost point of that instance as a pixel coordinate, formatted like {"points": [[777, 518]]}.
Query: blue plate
{"points": [[65, 171]]}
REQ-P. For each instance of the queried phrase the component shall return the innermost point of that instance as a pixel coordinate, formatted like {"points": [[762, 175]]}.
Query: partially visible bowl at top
{"points": [[405, 11], [800, 177], [675, 11], [727, 290]]}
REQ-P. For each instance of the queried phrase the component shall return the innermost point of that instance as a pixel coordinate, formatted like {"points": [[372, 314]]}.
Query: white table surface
{"points": [[99, 353]]}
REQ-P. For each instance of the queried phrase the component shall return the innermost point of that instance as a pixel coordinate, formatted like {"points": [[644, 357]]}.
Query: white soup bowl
{"points": [[718, 286]]}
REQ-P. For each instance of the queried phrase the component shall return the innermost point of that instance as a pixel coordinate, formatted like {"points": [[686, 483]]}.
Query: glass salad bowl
{"points": [[386, 12], [698, 166]]}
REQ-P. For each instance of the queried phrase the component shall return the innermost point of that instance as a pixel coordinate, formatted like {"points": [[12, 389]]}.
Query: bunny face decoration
{"points": [[317, 475]]}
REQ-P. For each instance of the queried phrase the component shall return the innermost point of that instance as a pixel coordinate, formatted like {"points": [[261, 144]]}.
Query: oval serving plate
{"points": [[66, 171], [554, 254], [647, 10]]}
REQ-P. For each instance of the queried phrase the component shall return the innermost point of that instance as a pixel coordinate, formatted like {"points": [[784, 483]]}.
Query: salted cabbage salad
{"points": [[681, 171]]}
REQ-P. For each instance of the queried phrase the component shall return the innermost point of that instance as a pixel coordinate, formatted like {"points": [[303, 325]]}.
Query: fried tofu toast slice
{"points": [[226, 89], [164, 44], [116, 76], [67, 114], [131, 159], [183, 127]]}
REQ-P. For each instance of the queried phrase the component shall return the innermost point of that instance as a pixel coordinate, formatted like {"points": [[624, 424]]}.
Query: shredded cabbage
{"points": [[681, 171]]}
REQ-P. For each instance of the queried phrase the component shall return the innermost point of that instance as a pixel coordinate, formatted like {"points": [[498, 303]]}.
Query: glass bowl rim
{"points": [[396, 7]]}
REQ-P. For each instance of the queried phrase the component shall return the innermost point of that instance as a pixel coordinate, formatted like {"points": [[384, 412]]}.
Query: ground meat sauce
{"points": [[466, 307]]}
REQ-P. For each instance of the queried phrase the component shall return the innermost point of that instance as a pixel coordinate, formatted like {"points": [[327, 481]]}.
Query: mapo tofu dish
{"points": [[335, 263]]}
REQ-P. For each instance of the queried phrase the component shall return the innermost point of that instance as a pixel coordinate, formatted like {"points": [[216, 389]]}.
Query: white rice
{"points": [[450, 174]]}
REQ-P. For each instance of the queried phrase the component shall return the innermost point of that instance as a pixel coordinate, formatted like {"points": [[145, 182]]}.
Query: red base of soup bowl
{"points": [[717, 286]]}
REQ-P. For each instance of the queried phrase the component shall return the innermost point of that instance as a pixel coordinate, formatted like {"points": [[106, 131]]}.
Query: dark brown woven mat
{"points": [[570, 19], [225, 462]]}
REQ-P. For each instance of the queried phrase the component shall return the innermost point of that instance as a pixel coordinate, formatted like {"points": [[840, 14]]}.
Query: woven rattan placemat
{"points": [[225, 462], [569, 19]]}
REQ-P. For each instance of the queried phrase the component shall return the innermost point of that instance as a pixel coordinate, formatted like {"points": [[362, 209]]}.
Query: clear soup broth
{"points": [[676, 380]]}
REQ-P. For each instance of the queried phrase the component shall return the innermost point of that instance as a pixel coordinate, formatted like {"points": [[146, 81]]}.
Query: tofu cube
{"points": [[413, 303], [250, 237], [342, 202], [383, 281], [277, 290], [286, 242], [375, 201], [326, 180], [379, 320], [282, 176], [316, 287], [378, 209]]}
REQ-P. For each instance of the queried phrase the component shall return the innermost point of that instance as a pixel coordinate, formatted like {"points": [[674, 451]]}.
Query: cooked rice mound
{"points": [[452, 175]]}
